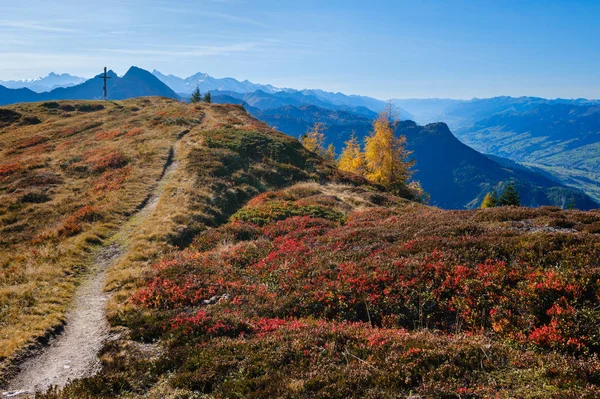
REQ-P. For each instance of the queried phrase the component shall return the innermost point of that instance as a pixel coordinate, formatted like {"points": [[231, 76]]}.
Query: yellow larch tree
{"points": [[352, 159], [314, 138], [385, 154], [329, 153]]}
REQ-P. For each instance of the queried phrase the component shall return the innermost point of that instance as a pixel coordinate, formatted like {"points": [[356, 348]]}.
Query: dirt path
{"points": [[74, 353]]}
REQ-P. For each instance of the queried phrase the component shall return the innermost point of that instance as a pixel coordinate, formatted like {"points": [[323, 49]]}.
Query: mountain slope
{"points": [[75, 177], [455, 175], [135, 83], [264, 272]]}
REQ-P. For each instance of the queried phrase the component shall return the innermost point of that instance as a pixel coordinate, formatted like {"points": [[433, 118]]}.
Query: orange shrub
{"points": [[100, 160], [112, 180], [74, 224], [108, 135], [134, 132], [30, 142], [8, 169]]}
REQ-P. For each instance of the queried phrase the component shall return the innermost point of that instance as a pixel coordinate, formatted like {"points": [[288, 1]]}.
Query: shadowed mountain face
{"points": [[135, 83], [560, 137], [455, 175], [11, 96]]}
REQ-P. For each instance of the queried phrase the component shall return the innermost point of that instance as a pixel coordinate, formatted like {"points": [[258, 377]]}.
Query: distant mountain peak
{"points": [[136, 82], [46, 83]]}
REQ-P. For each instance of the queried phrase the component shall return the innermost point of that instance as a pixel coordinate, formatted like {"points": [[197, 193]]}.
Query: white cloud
{"points": [[35, 26], [190, 51]]}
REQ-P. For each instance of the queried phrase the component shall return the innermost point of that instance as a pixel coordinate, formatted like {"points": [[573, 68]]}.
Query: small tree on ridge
{"points": [[196, 96], [510, 196]]}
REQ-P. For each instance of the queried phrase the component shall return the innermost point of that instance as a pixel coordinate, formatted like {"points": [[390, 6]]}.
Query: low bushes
{"points": [[285, 301]]}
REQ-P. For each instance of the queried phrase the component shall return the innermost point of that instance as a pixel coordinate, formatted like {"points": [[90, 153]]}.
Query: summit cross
{"points": [[104, 76]]}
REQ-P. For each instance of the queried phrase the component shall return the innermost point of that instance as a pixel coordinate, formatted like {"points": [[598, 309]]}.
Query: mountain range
{"points": [[455, 175], [205, 82], [135, 83], [46, 83], [556, 142]]}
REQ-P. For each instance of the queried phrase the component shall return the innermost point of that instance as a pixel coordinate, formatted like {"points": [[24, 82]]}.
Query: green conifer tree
{"points": [[510, 196], [196, 96], [207, 98]]}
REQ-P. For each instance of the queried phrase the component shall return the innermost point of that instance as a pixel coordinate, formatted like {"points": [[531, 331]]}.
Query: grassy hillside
{"points": [[72, 173], [337, 291], [265, 272]]}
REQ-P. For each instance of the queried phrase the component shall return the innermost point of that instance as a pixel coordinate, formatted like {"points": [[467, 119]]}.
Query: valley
{"points": [[557, 137]]}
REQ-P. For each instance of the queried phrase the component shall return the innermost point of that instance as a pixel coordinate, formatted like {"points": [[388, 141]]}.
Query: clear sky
{"points": [[381, 48]]}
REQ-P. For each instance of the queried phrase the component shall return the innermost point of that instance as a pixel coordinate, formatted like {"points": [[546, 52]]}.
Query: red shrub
{"points": [[134, 132], [108, 135], [8, 169], [112, 180]]}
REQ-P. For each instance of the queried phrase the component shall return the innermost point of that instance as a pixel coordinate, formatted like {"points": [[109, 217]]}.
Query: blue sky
{"points": [[385, 49]]}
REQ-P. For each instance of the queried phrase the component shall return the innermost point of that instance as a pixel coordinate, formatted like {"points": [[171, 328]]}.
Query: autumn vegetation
{"points": [[266, 271], [67, 183], [337, 290]]}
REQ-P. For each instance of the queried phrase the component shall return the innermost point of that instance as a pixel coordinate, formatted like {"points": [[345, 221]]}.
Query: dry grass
{"points": [[196, 197], [66, 185], [74, 182]]}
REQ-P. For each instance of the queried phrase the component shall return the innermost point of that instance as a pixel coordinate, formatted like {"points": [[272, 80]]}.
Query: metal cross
{"points": [[104, 76]]}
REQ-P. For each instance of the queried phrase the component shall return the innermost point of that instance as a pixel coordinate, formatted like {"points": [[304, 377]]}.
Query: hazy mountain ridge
{"points": [[254, 94], [135, 83], [206, 82], [46, 83]]}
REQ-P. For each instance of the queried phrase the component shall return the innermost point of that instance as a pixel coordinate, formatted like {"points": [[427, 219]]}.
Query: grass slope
{"points": [[337, 291], [70, 174], [265, 272]]}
